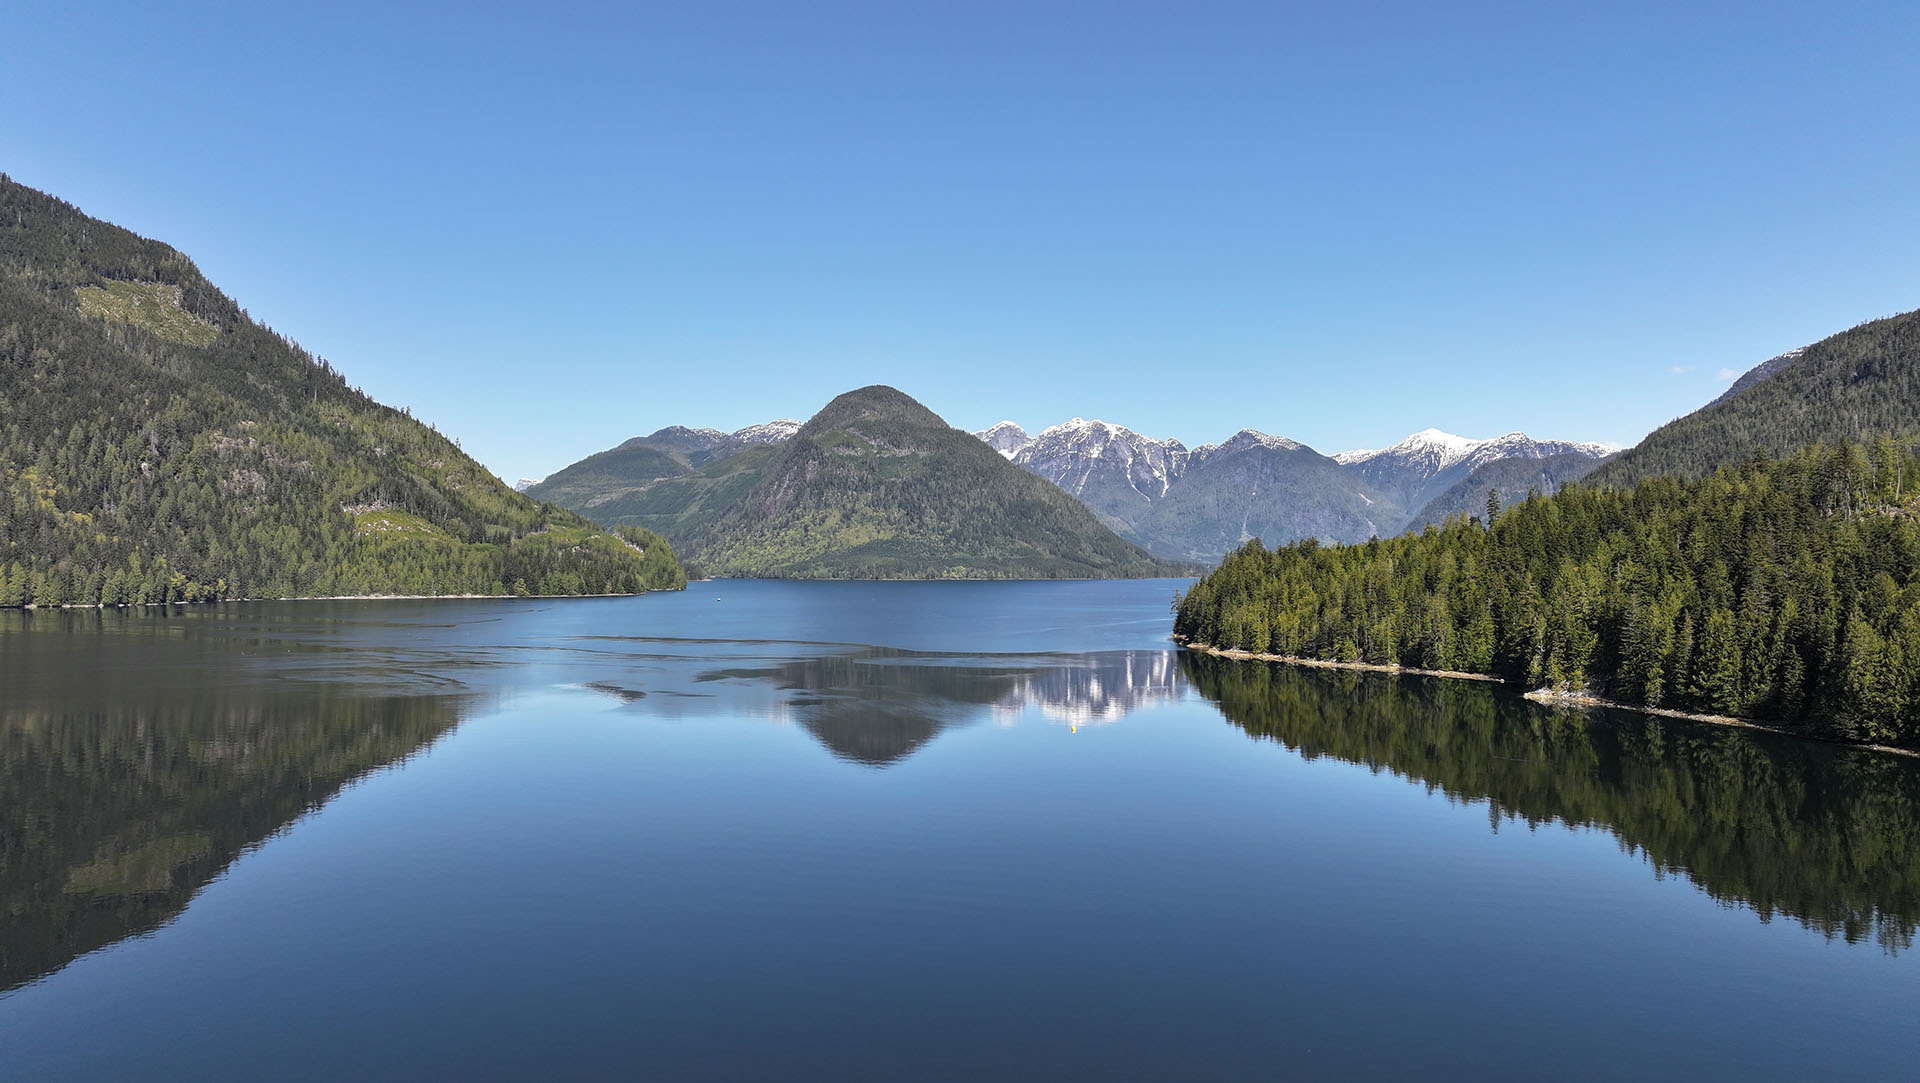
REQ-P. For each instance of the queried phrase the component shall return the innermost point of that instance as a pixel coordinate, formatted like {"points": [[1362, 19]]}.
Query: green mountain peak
{"points": [[874, 485]]}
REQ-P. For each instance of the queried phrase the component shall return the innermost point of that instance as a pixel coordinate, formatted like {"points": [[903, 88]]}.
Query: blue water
{"points": [[922, 830]]}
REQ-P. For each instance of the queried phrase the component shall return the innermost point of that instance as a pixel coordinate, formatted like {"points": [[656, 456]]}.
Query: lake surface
{"points": [[902, 830]]}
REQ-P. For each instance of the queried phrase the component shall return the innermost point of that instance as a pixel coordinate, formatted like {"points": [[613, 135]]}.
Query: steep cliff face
{"points": [[1005, 438], [1116, 472]]}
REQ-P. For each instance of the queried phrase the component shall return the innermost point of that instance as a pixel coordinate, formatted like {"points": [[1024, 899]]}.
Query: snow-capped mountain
{"points": [[524, 484], [1197, 504], [771, 432], [1426, 464], [1005, 438], [1242, 440], [1082, 455], [1269, 487], [1433, 450], [1116, 472], [1429, 448], [1518, 445]]}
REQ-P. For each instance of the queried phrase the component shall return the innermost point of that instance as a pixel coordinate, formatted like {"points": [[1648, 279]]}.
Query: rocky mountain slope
{"points": [[1005, 438], [1116, 472], [1416, 470], [1195, 505], [1260, 486]]}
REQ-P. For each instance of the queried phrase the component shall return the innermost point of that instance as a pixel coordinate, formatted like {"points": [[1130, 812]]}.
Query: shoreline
{"points": [[338, 598], [1551, 697], [1322, 663]]}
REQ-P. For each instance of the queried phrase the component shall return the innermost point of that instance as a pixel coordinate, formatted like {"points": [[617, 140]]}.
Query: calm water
{"points": [[937, 830]]}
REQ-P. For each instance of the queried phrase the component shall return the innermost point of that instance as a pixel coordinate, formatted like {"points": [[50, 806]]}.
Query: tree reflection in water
{"points": [[1821, 833]]}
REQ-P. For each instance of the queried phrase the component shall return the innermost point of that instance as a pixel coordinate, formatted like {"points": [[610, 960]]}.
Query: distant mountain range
{"points": [[1429, 462], [669, 453], [1197, 504], [873, 486]]}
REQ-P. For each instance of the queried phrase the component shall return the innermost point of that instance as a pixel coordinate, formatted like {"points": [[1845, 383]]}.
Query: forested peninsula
{"points": [[1785, 590], [157, 444]]}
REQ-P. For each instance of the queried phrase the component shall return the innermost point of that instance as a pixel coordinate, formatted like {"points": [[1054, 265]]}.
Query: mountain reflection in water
{"points": [[141, 755], [877, 706], [121, 799]]}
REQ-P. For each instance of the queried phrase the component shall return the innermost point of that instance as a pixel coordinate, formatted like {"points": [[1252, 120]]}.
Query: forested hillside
{"points": [[684, 509], [1779, 589], [877, 486], [1855, 385], [1509, 480], [157, 444]]}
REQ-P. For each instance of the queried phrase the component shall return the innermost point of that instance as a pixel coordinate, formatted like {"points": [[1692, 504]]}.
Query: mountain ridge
{"points": [[157, 444], [875, 485], [1858, 384], [1287, 492]]}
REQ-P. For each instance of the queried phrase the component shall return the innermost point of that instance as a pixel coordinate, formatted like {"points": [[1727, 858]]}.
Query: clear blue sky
{"points": [[546, 228]]}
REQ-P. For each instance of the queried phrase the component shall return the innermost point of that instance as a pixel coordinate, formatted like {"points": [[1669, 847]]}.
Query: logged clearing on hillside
{"points": [[154, 306]]}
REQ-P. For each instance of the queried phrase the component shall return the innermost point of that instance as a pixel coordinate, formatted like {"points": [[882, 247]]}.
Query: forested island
{"points": [[1785, 590], [157, 444]]}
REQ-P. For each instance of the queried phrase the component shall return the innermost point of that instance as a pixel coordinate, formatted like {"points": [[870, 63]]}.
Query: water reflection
{"points": [[1822, 834], [142, 753], [113, 816], [1096, 689], [877, 706]]}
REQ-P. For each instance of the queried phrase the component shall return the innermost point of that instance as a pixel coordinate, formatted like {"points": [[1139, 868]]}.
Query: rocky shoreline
{"points": [[1558, 697]]}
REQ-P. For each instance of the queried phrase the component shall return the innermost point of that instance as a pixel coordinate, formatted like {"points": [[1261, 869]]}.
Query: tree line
{"points": [[1784, 589]]}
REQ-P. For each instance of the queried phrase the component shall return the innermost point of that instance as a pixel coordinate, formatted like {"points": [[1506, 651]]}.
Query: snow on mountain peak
{"points": [[1243, 439], [1078, 453], [1092, 437], [1005, 437], [1434, 450], [1443, 445], [769, 433]]}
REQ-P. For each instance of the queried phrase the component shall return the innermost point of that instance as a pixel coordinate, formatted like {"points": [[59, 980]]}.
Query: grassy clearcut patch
{"points": [[154, 306], [394, 521]]}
